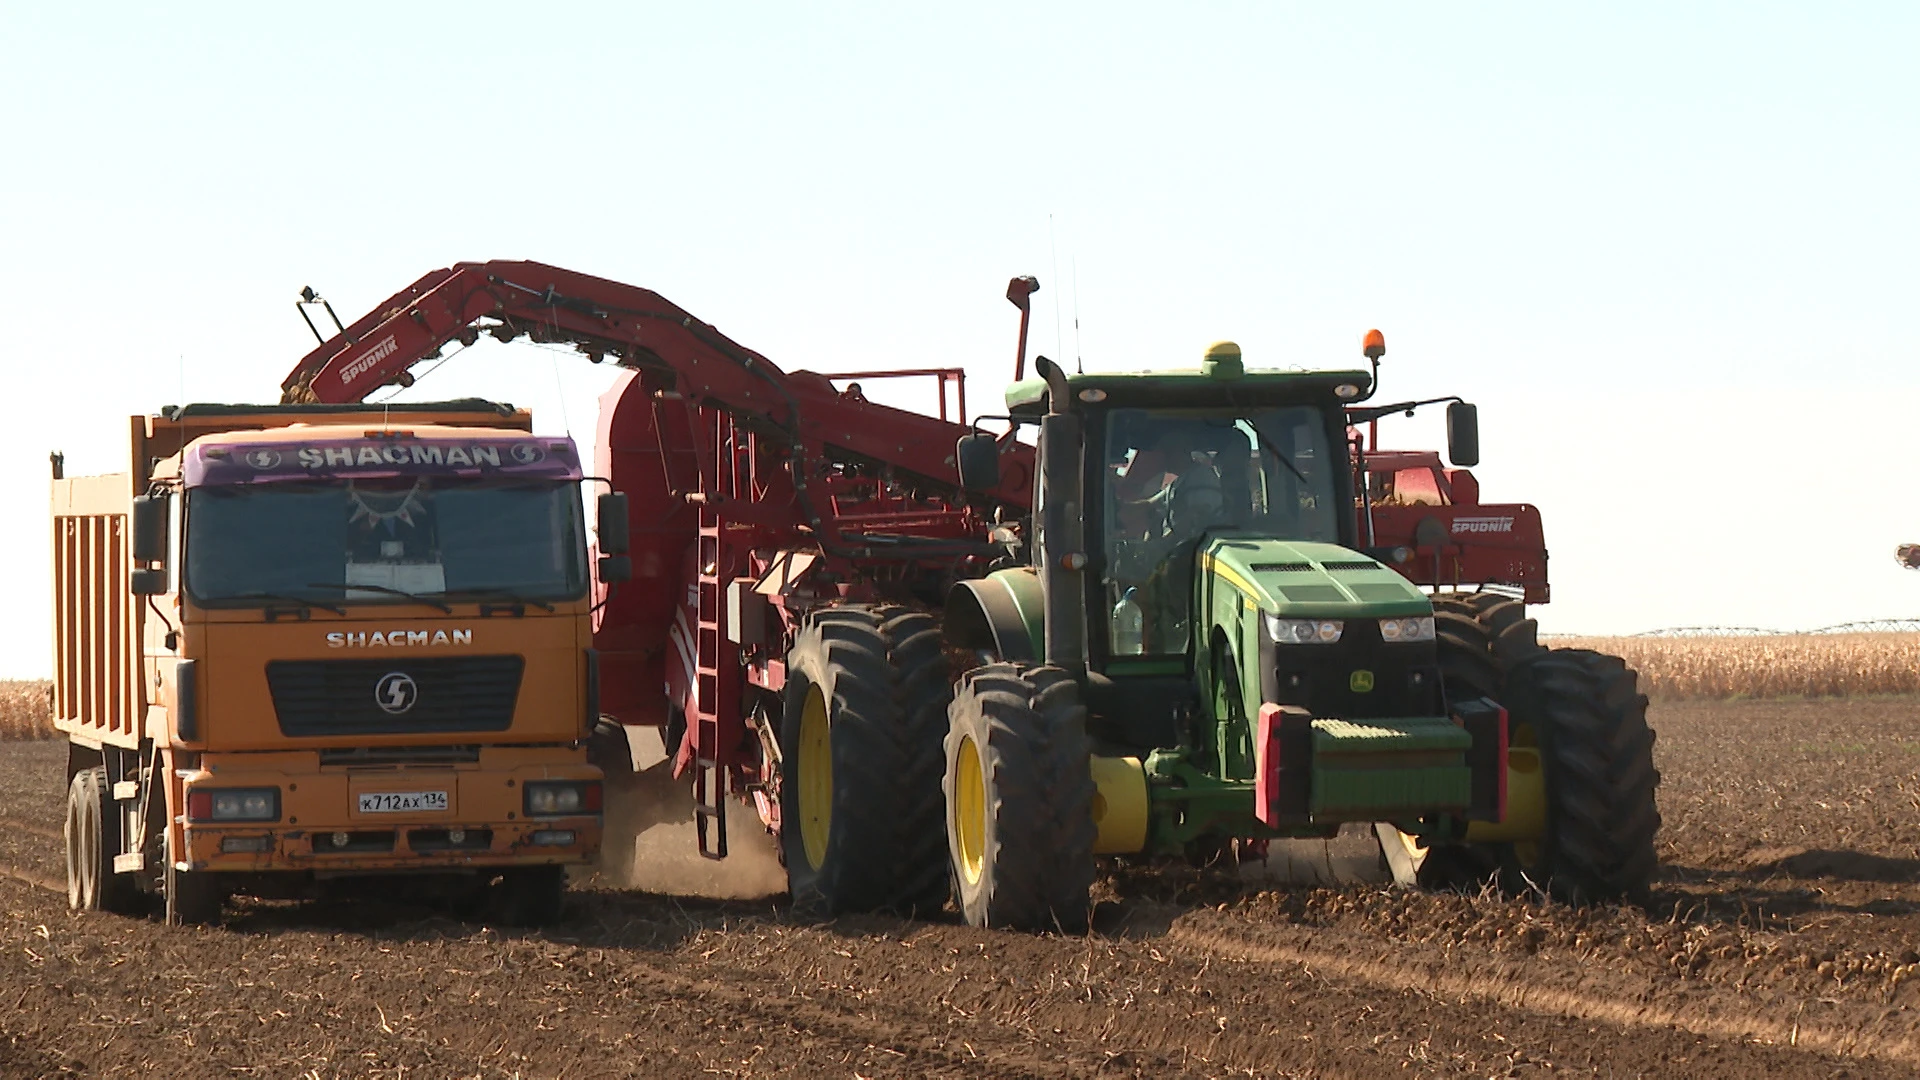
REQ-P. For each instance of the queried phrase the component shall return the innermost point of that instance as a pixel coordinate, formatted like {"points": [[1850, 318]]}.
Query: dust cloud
{"points": [[650, 843]]}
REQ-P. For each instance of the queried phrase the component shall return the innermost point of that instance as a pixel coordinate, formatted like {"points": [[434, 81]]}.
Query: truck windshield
{"points": [[1173, 474], [375, 541]]}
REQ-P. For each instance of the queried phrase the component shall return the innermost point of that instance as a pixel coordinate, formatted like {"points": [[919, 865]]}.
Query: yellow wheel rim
{"points": [[815, 777], [970, 811], [1525, 852]]}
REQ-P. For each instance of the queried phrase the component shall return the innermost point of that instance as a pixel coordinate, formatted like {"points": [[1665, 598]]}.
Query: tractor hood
{"points": [[1305, 579]]}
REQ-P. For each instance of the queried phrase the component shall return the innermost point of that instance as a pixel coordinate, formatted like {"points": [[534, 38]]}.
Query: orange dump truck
{"points": [[301, 648]]}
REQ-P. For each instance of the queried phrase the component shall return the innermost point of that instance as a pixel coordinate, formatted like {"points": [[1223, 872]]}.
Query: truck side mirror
{"points": [[150, 529], [1463, 434], [612, 526], [145, 582], [615, 569], [978, 456]]}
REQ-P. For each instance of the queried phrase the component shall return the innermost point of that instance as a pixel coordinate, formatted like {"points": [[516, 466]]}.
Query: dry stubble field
{"points": [[1783, 941]]}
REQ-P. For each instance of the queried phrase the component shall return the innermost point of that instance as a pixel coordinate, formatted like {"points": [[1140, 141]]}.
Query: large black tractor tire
{"points": [[1589, 721], [1019, 792], [860, 731], [93, 836], [1596, 751]]}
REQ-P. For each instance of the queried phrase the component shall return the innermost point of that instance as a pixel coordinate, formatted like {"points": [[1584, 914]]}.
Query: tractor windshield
{"points": [[1173, 474]]}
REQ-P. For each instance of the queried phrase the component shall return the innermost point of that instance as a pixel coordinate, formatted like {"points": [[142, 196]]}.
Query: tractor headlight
{"points": [[1418, 628], [1304, 631]]}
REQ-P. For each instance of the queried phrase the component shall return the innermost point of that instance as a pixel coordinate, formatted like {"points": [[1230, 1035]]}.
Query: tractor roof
{"points": [[1214, 384]]}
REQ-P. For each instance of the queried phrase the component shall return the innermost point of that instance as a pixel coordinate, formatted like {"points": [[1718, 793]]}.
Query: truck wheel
{"points": [[1587, 716], [93, 834], [860, 734], [193, 896], [1019, 794], [532, 896], [609, 751]]}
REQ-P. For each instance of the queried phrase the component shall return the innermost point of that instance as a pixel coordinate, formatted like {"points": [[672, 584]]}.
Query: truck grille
{"points": [[394, 697]]}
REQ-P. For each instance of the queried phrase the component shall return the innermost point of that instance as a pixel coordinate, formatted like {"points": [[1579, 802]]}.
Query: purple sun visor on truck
{"points": [[522, 457]]}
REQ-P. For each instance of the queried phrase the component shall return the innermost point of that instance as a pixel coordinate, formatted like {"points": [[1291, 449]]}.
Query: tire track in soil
{"points": [[1771, 1020]]}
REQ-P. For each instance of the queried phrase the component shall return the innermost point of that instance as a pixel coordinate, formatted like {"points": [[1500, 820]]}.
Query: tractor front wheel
{"points": [[1019, 790]]}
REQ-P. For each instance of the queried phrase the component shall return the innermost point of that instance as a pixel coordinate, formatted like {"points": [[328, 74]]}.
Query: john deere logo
{"points": [[1360, 682]]}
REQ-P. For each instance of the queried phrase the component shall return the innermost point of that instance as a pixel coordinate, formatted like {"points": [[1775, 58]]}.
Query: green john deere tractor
{"points": [[1196, 652]]}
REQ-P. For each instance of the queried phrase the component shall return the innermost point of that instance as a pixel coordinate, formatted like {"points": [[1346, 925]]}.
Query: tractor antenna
{"points": [[1079, 361], [1054, 251]]}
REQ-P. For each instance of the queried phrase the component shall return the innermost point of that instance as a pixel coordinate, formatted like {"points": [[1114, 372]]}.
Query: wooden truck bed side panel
{"points": [[97, 691]]}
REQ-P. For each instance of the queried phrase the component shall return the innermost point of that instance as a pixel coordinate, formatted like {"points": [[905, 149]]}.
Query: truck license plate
{"points": [[393, 802]]}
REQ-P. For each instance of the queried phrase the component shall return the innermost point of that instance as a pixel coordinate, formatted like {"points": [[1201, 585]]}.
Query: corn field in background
{"points": [[1765, 665], [23, 710]]}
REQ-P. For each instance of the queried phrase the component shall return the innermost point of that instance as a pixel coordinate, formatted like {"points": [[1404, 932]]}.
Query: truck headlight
{"points": [[233, 804], [1304, 631], [560, 798], [1416, 628]]}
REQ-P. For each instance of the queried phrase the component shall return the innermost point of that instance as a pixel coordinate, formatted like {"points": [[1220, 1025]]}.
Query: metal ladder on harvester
{"points": [[716, 666]]}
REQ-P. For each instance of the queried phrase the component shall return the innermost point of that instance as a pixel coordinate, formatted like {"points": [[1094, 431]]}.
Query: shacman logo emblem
{"points": [[1361, 682], [263, 458], [395, 692]]}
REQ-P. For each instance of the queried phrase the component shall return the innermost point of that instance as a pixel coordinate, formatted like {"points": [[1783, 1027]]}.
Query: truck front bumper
{"points": [[388, 819]]}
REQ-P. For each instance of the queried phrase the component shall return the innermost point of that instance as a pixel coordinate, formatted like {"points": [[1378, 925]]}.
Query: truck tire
{"points": [[860, 732], [532, 896], [609, 751], [1019, 794], [1596, 751], [93, 835], [193, 897]]}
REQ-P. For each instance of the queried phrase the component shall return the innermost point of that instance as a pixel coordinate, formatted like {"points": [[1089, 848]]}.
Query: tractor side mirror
{"points": [[978, 456], [1463, 434], [150, 528], [612, 525]]}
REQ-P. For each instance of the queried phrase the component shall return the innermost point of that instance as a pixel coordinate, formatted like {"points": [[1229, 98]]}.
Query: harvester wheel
{"points": [[860, 734], [1585, 713], [1019, 792]]}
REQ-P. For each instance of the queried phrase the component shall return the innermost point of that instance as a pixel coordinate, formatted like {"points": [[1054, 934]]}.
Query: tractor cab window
{"points": [[1173, 475]]}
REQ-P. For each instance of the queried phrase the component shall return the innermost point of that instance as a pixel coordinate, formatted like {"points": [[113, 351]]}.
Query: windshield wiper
{"points": [[415, 597], [504, 594], [1275, 451], [301, 601]]}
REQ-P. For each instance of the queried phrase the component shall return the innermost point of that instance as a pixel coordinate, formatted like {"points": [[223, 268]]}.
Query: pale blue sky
{"points": [[1670, 253]]}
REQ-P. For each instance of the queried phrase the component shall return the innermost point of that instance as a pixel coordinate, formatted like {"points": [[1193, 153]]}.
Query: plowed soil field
{"points": [[1783, 941]]}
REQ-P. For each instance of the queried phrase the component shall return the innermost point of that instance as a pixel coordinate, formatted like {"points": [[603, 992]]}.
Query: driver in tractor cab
{"points": [[1169, 493]]}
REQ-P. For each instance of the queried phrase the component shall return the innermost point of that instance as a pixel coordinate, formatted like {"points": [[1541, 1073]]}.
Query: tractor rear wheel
{"points": [[860, 734], [1019, 792]]}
